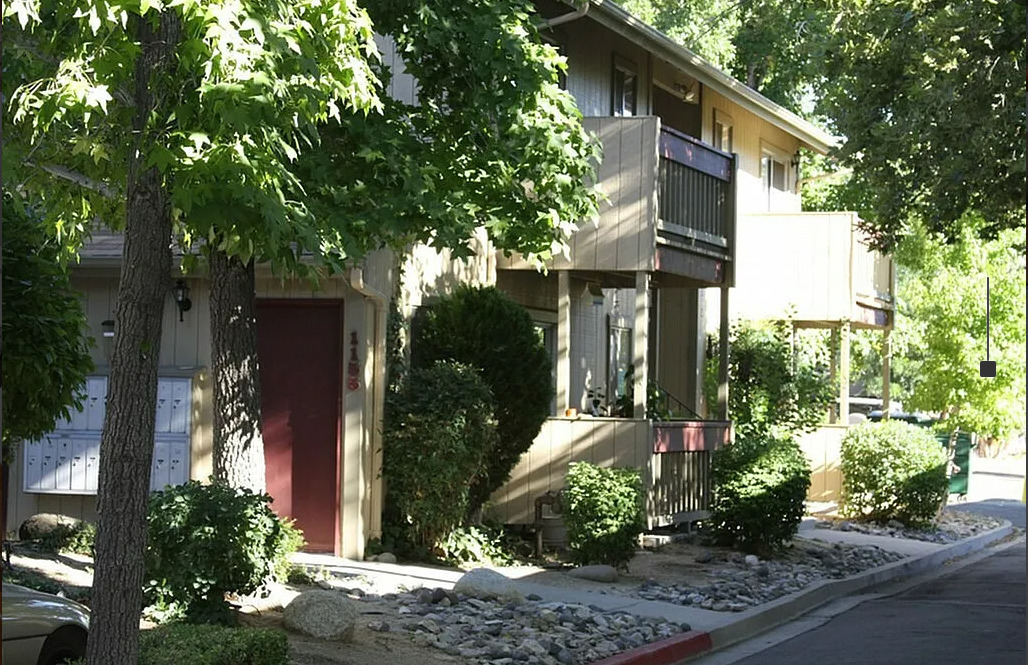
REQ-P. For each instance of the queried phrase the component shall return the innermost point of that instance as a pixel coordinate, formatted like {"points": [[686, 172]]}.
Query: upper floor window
{"points": [[626, 88], [722, 131], [774, 175]]}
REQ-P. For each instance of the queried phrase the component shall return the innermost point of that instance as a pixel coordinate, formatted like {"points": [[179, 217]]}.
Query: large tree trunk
{"points": [[126, 448], [238, 444]]}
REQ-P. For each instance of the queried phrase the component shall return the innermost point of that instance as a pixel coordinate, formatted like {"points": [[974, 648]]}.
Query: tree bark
{"points": [[126, 448], [238, 444]]}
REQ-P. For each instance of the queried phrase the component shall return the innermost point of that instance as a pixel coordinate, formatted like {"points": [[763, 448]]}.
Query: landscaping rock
{"points": [[386, 557], [487, 584], [326, 615], [595, 573], [42, 525]]}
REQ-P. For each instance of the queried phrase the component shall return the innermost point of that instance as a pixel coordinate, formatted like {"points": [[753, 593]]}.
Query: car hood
{"points": [[27, 612]]}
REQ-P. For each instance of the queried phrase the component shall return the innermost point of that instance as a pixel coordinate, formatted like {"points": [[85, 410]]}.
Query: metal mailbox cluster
{"points": [[67, 461]]}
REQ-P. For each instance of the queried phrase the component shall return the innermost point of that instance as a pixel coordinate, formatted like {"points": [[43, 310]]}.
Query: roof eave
{"points": [[617, 19]]}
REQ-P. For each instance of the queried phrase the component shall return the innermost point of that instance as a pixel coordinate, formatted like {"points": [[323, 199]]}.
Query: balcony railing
{"points": [[670, 206], [696, 193]]}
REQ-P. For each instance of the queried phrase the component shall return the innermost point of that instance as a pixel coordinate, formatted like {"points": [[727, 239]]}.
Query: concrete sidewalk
{"points": [[710, 630]]}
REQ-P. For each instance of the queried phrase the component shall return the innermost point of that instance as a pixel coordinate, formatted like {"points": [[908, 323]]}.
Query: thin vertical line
{"points": [[986, 318]]}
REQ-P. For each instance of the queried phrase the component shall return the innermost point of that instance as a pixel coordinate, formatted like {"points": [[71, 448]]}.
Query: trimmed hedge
{"points": [[760, 487], [177, 643], [438, 439], [893, 470], [603, 513]]}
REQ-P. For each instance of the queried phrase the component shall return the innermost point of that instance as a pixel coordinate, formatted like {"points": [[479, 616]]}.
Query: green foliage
{"points": [[78, 539], [760, 486], [208, 540], [657, 400], [44, 331], [603, 512], [941, 323], [469, 546], [776, 391], [893, 470], [438, 436], [929, 98], [484, 328], [212, 645]]}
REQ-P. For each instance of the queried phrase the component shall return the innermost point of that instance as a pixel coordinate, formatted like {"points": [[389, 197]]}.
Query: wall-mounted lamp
{"points": [[181, 292], [107, 333], [597, 293]]}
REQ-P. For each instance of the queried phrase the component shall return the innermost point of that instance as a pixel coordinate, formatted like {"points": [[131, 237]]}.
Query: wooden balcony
{"points": [[673, 458], [670, 208], [815, 265]]}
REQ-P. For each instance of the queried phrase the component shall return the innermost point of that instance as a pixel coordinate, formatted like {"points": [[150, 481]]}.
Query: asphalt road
{"points": [[972, 616]]}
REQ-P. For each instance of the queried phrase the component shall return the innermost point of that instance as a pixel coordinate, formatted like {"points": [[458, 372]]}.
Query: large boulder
{"points": [[598, 573], [488, 584], [43, 525], [327, 615]]}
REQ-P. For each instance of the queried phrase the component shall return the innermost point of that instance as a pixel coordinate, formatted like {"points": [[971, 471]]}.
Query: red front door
{"points": [[299, 349]]}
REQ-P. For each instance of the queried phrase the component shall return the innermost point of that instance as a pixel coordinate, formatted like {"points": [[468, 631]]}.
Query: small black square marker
{"points": [[988, 369]]}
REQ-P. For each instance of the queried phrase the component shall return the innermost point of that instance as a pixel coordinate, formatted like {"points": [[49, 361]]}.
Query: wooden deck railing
{"points": [[695, 191]]}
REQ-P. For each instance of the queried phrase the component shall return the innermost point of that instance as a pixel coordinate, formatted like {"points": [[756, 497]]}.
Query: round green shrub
{"points": [[759, 491], [603, 513], [437, 439], [484, 328], [208, 540], [893, 470]]}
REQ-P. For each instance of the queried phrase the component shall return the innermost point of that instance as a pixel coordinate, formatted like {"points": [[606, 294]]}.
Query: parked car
{"points": [[41, 628]]}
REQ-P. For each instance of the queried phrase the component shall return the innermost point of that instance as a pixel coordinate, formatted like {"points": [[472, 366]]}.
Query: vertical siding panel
{"points": [[604, 250], [648, 191], [631, 203]]}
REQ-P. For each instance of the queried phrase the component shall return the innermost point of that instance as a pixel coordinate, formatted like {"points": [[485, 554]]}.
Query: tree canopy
{"points": [[46, 343]]}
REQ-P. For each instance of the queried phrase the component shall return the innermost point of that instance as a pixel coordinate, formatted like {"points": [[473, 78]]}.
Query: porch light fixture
{"points": [[181, 292], [107, 335], [597, 293]]}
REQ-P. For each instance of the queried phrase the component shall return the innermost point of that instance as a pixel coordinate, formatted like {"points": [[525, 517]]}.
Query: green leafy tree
{"points": [[942, 298], [46, 344], [778, 390], [155, 114], [930, 99], [239, 125]]}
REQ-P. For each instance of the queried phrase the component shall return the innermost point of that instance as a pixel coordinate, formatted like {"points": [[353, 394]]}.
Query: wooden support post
{"points": [[833, 372], [563, 341], [641, 351], [722, 378], [844, 373], [886, 370]]}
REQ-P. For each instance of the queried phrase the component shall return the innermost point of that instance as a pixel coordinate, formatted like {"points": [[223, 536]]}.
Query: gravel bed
{"points": [[952, 525], [747, 581], [499, 633]]}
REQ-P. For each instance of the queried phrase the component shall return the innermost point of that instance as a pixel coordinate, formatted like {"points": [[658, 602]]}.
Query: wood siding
{"points": [[823, 449], [602, 441], [812, 262], [624, 237]]}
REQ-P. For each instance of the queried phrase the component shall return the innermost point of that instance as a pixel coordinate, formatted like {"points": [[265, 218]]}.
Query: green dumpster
{"points": [[965, 441]]}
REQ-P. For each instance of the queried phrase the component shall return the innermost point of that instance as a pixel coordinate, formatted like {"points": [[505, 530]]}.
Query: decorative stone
{"points": [[42, 525], [599, 573], [487, 584], [386, 557], [326, 615]]}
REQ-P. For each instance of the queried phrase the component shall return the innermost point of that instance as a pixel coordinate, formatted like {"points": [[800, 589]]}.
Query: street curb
{"points": [[759, 619], [664, 652]]}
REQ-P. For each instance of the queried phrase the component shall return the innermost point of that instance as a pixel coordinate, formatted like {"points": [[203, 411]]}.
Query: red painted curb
{"points": [[664, 652]]}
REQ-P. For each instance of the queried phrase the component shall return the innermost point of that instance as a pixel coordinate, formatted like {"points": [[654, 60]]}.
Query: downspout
{"points": [[381, 303], [546, 24]]}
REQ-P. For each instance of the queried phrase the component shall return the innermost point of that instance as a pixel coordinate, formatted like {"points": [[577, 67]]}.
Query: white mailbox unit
{"points": [[67, 461]]}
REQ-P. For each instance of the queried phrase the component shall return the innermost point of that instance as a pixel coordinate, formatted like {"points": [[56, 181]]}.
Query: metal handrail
{"points": [[668, 396]]}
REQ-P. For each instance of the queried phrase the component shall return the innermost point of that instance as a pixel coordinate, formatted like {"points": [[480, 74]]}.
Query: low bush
{"points": [[173, 644], [208, 540], [603, 513], [759, 491], [893, 470], [438, 436], [79, 539]]}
